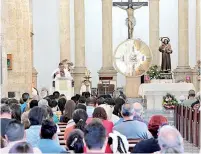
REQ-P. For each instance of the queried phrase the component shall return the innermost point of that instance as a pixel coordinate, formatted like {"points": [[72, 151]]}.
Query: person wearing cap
{"points": [[191, 99], [132, 129]]}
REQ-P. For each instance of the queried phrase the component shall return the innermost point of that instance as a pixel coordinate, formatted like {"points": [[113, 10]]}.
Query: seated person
{"points": [[95, 138], [132, 129], [53, 105], [100, 113], [75, 141], [15, 133], [151, 145], [91, 104], [48, 135], [21, 147], [191, 99]]}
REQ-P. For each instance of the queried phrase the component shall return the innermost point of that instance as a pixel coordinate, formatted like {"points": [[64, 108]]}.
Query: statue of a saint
{"points": [[166, 50], [130, 21]]}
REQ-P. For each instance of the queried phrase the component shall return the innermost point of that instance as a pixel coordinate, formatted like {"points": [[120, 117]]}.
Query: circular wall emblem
{"points": [[132, 58]]}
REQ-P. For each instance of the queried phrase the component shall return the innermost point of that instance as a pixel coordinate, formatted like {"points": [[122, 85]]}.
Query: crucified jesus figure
{"points": [[130, 21]]}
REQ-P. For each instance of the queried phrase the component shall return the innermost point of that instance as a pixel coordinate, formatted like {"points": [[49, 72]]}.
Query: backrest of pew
{"points": [[187, 121]]}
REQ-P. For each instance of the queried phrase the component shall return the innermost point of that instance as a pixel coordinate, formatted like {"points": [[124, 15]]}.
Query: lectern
{"points": [[64, 86]]}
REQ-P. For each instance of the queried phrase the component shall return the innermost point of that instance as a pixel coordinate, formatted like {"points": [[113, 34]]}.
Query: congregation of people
{"points": [[93, 124]]}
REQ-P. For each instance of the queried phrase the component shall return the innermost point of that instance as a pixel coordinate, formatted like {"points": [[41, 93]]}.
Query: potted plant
{"points": [[154, 73]]}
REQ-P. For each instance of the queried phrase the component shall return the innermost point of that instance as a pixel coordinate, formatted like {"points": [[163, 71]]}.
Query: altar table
{"points": [[154, 92]]}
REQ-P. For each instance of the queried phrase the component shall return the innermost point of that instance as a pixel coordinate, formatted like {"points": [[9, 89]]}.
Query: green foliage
{"points": [[169, 101], [154, 72]]}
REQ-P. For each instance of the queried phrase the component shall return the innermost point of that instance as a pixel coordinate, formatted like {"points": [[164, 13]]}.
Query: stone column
{"points": [[64, 20], [198, 30], [107, 69], [183, 69], [79, 19], [18, 43], [154, 30], [3, 56]]}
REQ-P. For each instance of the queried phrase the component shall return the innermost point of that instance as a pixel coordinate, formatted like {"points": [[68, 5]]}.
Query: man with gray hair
{"points": [[132, 129], [138, 111], [170, 140]]}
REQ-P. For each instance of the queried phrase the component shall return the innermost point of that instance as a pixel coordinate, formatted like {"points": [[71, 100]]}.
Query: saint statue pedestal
{"points": [[132, 86]]}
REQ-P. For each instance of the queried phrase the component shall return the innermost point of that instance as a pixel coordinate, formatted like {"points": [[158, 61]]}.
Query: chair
{"points": [[132, 143]]}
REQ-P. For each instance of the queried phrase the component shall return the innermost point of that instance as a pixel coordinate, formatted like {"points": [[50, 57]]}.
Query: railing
{"points": [[187, 121]]}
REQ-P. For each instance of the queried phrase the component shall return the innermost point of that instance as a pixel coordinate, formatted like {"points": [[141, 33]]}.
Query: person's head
{"points": [[87, 94], [15, 112], [80, 117], [37, 115], [191, 94], [130, 6], [100, 113], [100, 101], [138, 109], [81, 106], [56, 95], [117, 108], [82, 100], [61, 67], [12, 101], [4, 101], [61, 104], [95, 135], [42, 102], [69, 109], [77, 96], [49, 112], [33, 103], [108, 109], [25, 97], [5, 111], [48, 130], [91, 101], [155, 123], [14, 131], [74, 99], [53, 105], [127, 110], [21, 147], [110, 101], [170, 140], [75, 141], [166, 41]]}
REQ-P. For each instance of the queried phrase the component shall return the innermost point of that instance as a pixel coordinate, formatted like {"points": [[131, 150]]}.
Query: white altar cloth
{"points": [[154, 92]]}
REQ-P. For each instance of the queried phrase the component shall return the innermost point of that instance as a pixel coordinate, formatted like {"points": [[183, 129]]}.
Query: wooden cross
{"points": [[130, 2]]}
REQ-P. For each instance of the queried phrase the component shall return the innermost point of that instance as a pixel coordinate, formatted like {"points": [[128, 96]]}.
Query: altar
{"points": [[154, 92]]}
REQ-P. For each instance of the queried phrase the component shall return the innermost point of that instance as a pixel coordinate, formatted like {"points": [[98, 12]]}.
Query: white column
{"points": [[107, 69], [79, 17], [64, 18], [154, 30], [198, 30], [183, 56]]}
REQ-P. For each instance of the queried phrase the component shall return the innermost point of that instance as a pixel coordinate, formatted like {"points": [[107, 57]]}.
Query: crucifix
{"points": [[130, 8]]}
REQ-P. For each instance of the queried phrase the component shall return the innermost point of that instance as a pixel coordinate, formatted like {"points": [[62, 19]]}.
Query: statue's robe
{"points": [[166, 60]]}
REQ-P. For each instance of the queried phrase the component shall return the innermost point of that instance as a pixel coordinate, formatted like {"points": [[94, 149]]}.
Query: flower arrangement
{"points": [[154, 72], [169, 101]]}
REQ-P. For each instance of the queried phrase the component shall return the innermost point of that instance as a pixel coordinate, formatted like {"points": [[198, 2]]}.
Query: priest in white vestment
{"points": [[61, 71]]}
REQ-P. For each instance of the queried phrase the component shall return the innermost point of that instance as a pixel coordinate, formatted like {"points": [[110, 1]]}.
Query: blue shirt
{"points": [[33, 135], [50, 146], [90, 110], [23, 107], [133, 129]]}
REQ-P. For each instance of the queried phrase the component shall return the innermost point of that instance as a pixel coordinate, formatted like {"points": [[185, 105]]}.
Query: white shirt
{"points": [[67, 74]]}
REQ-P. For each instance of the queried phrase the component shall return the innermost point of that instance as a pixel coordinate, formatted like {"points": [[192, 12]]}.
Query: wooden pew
{"points": [[132, 143]]}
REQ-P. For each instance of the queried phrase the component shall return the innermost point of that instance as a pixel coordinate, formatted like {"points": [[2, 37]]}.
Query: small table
{"points": [[154, 92]]}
